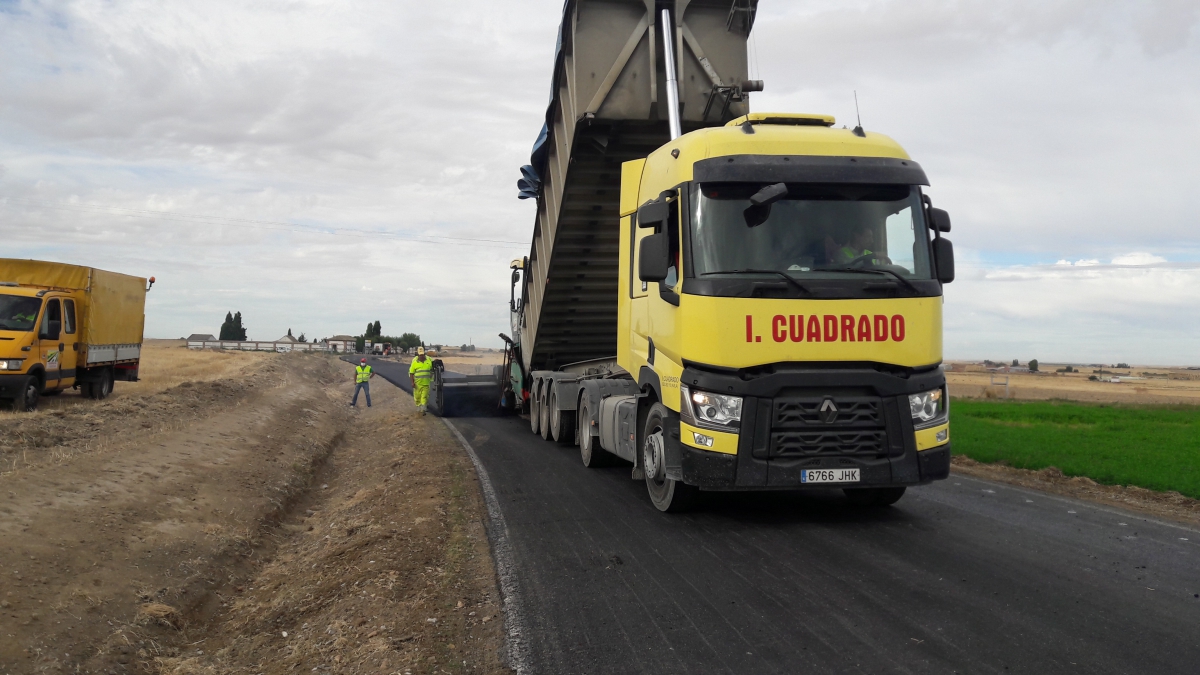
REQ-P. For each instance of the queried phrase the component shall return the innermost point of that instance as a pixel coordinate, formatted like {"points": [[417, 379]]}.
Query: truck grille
{"points": [[852, 411], [793, 444]]}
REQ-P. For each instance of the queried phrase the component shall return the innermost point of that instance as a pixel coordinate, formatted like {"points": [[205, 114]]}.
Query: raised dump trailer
{"points": [[752, 301], [67, 326]]}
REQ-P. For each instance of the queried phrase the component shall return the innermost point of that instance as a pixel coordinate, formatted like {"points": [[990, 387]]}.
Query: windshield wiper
{"points": [[791, 279], [863, 270]]}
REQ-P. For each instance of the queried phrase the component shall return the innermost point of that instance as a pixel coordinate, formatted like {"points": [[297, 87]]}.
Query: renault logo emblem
{"points": [[828, 412]]}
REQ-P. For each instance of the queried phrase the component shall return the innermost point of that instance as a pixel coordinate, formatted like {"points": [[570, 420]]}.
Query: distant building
{"points": [[343, 343], [287, 338], [202, 337]]}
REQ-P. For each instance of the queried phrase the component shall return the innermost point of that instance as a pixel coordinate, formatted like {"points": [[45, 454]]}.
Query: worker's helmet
{"points": [[363, 361], [420, 351]]}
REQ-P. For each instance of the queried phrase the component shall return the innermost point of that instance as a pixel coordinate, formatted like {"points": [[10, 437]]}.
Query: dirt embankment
{"points": [[151, 531], [1169, 505]]}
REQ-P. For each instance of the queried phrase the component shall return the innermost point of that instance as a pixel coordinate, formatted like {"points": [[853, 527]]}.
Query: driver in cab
{"points": [[861, 241]]}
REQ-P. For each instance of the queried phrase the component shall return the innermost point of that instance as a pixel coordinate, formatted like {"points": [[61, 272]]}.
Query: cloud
{"points": [[278, 158]]}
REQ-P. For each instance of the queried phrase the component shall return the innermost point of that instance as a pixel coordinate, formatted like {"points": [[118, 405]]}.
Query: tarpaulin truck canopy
{"points": [[113, 307]]}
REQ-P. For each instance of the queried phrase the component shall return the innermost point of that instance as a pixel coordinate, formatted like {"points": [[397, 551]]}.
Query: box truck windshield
{"points": [[18, 313], [814, 231]]}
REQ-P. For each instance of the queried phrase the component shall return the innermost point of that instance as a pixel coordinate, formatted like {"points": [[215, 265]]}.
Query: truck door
{"points": [[48, 338], [69, 356], [664, 299], [639, 327]]}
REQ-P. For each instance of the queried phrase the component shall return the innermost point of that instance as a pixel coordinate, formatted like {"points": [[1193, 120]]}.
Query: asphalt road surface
{"points": [[961, 576]]}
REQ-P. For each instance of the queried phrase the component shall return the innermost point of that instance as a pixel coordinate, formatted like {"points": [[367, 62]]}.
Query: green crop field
{"points": [[1155, 447]]}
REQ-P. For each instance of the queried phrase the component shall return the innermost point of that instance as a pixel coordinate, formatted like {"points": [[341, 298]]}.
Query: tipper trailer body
{"points": [[729, 301], [67, 326]]}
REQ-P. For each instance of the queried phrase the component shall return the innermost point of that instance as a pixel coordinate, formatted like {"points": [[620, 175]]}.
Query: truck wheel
{"points": [[873, 497], [535, 410], [562, 422], [100, 389], [590, 452], [544, 409], [668, 495], [31, 390]]}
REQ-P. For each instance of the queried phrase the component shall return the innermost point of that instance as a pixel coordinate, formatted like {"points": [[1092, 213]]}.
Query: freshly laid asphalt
{"points": [[962, 576]]}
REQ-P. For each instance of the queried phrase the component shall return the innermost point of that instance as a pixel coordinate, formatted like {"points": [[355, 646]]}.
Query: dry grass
{"points": [[166, 363]]}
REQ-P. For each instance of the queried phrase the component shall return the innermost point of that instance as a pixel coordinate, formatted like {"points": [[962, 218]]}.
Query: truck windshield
{"points": [[18, 313], [813, 231]]}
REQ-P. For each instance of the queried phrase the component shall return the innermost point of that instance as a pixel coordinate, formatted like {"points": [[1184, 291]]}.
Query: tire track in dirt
{"points": [[384, 567]]}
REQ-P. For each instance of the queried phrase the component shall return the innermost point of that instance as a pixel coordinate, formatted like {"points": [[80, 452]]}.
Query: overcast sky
{"points": [[318, 165]]}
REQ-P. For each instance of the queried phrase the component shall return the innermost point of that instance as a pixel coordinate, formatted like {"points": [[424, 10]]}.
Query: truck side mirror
{"points": [[943, 259], [653, 214], [654, 258], [939, 219]]}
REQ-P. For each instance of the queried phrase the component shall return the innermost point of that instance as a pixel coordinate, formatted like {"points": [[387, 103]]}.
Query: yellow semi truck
{"points": [[66, 326], [727, 300]]}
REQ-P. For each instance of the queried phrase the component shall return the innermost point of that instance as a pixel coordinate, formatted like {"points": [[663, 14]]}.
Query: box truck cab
{"points": [[66, 326]]}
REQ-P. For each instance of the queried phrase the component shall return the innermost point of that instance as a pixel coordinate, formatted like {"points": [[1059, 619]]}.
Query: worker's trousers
{"points": [[421, 392], [366, 388]]}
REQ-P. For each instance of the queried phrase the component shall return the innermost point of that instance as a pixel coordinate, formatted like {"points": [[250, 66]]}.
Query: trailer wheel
{"points": [[535, 410], [31, 390], [590, 452], [544, 409], [562, 422], [873, 497], [668, 495]]}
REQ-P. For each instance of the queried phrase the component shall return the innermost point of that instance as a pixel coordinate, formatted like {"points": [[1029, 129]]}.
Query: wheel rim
{"points": [[555, 422], [652, 457], [545, 415], [535, 409], [584, 429]]}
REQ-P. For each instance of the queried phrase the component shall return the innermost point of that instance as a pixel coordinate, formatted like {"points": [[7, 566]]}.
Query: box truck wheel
{"points": [[873, 496], [30, 392], [590, 452], [667, 494], [535, 410], [100, 389], [562, 422]]}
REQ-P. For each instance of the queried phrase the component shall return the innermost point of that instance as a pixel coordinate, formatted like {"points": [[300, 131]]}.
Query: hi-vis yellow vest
{"points": [[362, 374], [421, 370]]}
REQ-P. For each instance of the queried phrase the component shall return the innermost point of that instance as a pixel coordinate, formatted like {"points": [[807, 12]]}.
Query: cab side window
{"points": [[69, 316], [51, 320], [672, 228]]}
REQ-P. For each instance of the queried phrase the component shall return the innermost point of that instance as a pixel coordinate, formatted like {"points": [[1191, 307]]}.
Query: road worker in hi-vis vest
{"points": [[420, 373], [362, 380]]}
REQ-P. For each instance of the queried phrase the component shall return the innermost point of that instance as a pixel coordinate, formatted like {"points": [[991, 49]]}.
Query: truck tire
{"points": [[31, 391], [544, 409], [100, 389], [590, 452], [873, 497], [562, 422], [669, 496], [535, 410]]}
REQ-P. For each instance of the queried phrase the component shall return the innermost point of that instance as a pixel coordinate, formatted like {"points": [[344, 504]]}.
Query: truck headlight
{"points": [[715, 411], [11, 364], [928, 407]]}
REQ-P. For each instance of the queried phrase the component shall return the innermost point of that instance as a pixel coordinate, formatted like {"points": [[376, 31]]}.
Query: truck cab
{"points": [[39, 342], [780, 307]]}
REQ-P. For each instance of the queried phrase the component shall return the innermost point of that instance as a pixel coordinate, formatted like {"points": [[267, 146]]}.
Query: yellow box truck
{"points": [[726, 300], [67, 326]]}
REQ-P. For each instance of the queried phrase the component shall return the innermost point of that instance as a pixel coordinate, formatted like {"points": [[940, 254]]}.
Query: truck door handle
{"points": [[75, 346], [62, 347]]}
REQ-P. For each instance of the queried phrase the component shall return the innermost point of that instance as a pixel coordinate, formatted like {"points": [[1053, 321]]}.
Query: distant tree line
{"points": [[374, 333]]}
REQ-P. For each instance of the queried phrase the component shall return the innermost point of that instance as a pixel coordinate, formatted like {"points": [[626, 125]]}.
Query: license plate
{"points": [[829, 476]]}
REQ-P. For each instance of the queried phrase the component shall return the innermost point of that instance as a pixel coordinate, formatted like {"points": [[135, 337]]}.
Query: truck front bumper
{"points": [[10, 385], [715, 471], [781, 436]]}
